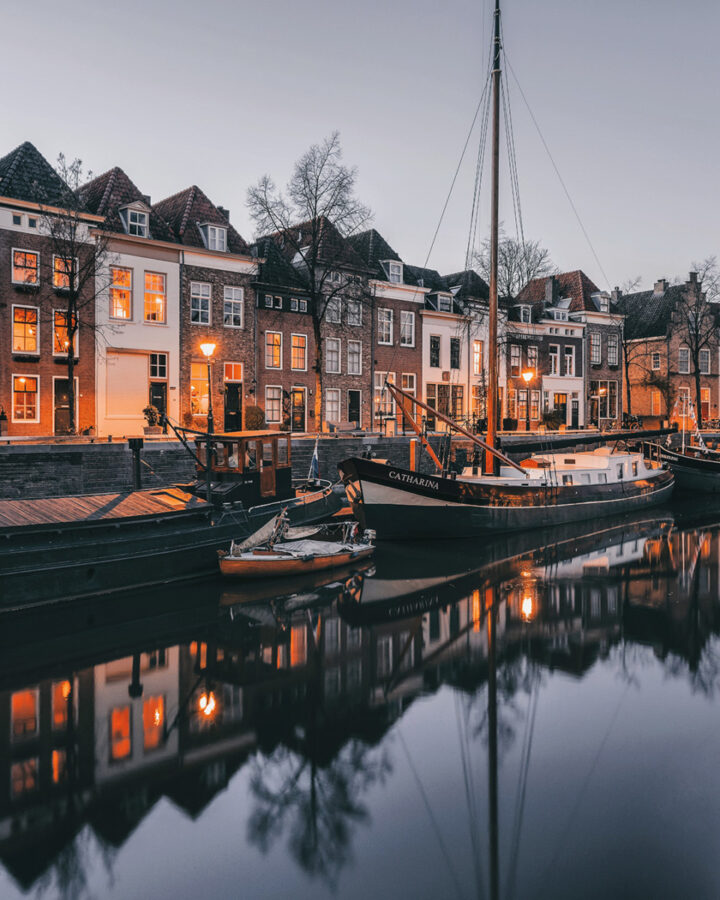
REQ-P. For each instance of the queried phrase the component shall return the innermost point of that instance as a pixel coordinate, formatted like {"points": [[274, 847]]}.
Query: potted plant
{"points": [[152, 417]]}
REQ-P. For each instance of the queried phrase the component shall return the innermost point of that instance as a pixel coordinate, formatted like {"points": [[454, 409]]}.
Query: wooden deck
{"points": [[86, 510]]}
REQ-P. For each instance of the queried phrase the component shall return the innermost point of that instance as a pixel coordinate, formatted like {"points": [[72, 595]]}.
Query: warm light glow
{"points": [[65, 689], [527, 607], [207, 349], [207, 704], [527, 376]]}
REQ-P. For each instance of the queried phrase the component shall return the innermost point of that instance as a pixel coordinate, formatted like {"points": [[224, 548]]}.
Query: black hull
{"points": [[693, 473], [399, 504]]}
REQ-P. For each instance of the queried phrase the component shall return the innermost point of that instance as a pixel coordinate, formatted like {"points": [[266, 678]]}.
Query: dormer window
{"points": [[137, 223], [395, 271], [560, 315], [524, 313], [444, 303], [215, 237], [604, 304]]}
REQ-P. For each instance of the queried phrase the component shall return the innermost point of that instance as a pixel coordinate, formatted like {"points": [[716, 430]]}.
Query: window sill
{"points": [[25, 357], [156, 324], [61, 359], [385, 343], [25, 288]]}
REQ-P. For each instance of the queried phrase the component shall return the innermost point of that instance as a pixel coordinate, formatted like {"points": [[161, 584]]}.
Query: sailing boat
{"points": [[546, 489]]}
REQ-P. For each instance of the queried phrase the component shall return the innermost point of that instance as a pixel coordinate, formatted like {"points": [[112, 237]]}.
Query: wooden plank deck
{"points": [[96, 508]]}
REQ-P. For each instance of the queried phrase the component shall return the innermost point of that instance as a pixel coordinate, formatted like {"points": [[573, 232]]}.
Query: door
{"points": [[354, 407], [561, 407], [705, 403], [575, 414], [158, 396], [233, 406], [267, 472], [297, 410], [61, 406]]}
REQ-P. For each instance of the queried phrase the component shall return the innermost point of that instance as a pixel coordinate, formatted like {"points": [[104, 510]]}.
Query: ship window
{"points": [[620, 470], [585, 479], [602, 478], [567, 479], [634, 468]]}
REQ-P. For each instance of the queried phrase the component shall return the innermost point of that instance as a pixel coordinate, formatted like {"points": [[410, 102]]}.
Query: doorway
{"points": [[61, 405], [297, 410], [575, 414], [233, 407], [158, 396], [560, 406], [354, 399]]}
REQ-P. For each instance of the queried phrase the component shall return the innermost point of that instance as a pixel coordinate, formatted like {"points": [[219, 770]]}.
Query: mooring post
{"points": [[413, 454], [135, 444]]}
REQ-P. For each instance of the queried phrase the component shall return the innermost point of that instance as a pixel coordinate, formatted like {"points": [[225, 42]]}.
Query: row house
{"points": [[666, 355], [34, 389]]}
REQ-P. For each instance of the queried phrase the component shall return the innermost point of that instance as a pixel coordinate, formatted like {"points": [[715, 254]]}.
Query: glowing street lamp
{"points": [[208, 349], [527, 377]]}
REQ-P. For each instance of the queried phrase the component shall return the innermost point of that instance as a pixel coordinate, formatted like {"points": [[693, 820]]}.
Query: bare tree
{"points": [[518, 263], [633, 350], [697, 324], [78, 256], [309, 221], [708, 272]]}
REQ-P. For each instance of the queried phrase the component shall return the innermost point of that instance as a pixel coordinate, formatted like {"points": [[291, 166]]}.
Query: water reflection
{"points": [[301, 694]]}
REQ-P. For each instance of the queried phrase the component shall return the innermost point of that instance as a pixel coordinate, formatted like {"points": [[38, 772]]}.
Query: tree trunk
{"points": [[698, 404], [628, 402], [318, 373], [72, 424]]}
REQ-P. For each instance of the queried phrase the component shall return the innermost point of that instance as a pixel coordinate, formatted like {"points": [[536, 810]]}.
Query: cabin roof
{"points": [[248, 435]]}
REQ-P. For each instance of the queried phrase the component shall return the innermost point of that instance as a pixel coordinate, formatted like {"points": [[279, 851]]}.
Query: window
{"points": [[200, 302], [120, 293], [268, 301], [25, 329], [655, 362], [61, 339], [354, 361], [137, 222], [534, 404], [25, 399], [477, 357], [604, 304], [704, 360], [478, 404], [153, 722], [684, 360], [395, 272], [332, 356], [233, 371], [293, 304], [354, 312], [16, 219], [216, 238], [278, 302], [59, 766], [532, 358], [522, 399], [407, 382], [303, 306], [198, 389], [120, 737], [384, 400], [612, 350], [385, 326], [444, 303], [595, 348], [64, 268], [524, 313], [32, 223], [554, 359], [24, 777], [560, 315], [605, 395], [158, 365], [233, 306], [26, 267], [567, 479], [515, 360], [454, 353], [298, 352], [655, 403], [24, 713], [569, 361], [333, 311], [273, 350], [273, 404], [61, 704], [332, 405], [407, 328], [435, 351], [154, 297]]}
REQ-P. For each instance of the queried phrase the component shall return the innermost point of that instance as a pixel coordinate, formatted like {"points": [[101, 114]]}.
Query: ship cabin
{"points": [[251, 466]]}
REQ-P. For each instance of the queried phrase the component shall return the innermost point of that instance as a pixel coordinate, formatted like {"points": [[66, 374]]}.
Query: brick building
{"points": [[33, 360], [216, 305]]}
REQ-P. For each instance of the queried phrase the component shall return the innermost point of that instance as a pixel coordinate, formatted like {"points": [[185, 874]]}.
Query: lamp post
{"points": [[208, 350], [527, 377]]}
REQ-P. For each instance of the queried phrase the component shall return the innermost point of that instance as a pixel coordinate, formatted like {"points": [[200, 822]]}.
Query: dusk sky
{"points": [[216, 94]]}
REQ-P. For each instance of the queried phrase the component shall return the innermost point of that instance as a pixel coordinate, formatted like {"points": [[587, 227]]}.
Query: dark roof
{"points": [[25, 174], [374, 249], [472, 286], [648, 313], [190, 208], [428, 278], [107, 194], [333, 249], [575, 285], [276, 270]]}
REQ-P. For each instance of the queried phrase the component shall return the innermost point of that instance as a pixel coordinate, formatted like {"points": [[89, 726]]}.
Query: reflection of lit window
{"points": [[24, 713], [61, 691], [332, 636], [476, 610], [59, 766], [153, 719], [120, 741], [24, 777], [298, 645]]}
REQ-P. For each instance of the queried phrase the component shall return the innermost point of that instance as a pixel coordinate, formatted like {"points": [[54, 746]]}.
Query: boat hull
{"points": [[399, 504], [693, 473], [276, 566]]}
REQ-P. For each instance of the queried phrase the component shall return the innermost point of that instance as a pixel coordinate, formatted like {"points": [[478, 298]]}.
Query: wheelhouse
{"points": [[251, 466]]}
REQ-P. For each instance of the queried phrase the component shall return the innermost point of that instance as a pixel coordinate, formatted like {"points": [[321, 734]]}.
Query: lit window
{"points": [[153, 722], [478, 357], [24, 713], [137, 222], [332, 356], [158, 365], [25, 399], [354, 360], [154, 297], [64, 268], [121, 293], [120, 738], [395, 271], [384, 400], [61, 703], [354, 312], [233, 307], [535, 404], [454, 353], [407, 382], [532, 357], [233, 372], [24, 777], [407, 328], [333, 311], [595, 348], [198, 389], [332, 405], [385, 326], [61, 338], [273, 404], [298, 356], [273, 350], [684, 360], [216, 238], [26, 267], [515, 360], [435, 351], [25, 329], [59, 766], [200, 294]]}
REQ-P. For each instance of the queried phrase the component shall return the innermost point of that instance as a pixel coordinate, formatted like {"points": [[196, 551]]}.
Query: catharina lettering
{"points": [[416, 480]]}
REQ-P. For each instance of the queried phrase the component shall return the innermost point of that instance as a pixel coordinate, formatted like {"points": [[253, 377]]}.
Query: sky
{"points": [[219, 93]]}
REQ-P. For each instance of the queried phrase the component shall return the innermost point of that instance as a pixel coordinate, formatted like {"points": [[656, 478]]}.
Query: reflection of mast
{"points": [[490, 598]]}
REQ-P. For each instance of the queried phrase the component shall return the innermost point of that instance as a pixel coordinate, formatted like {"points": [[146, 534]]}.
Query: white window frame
{"points": [[13, 251], [216, 238], [12, 330], [265, 348], [445, 303], [655, 368], [566, 356], [333, 311], [141, 226], [478, 356], [395, 272], [197, 292], [113, 287], [293, 304], [75, 338], [595, 348], [405, 377], [335, 392], [407, 315], [294, 368], [36, 420], [525, 315], [515, 351], [380, 392], [303, 305], [227, 380], [273, 387], [613, 350], [385, 317], [533, 355], [162, 275], [234, 299], [59, 287], [355, 317], [359, 345], [704, 353], [278, 302], [328, 370], [158, 354], [268, 301], [686, 369], [554, 354]]}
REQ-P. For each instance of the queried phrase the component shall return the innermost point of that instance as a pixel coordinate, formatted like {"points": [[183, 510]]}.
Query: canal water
{"points": [[533, 717]]}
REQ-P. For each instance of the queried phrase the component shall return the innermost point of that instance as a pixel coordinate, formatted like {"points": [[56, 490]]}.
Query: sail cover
{"points": [[261, 536]]}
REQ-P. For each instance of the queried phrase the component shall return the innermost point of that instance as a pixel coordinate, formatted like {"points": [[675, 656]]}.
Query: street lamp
{"points": [[208, 350], [527, 377]]}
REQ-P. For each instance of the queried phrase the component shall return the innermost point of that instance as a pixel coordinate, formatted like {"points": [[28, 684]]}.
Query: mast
{"points": [[492, 390]]}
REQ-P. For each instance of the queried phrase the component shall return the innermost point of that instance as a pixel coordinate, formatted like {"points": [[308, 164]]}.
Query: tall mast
{"points": [[492, 389]]}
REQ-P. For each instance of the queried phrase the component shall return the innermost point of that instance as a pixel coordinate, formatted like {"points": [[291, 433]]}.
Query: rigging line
{"points": [[512, 149], [433, 820], [557, 172], [513, 191], [469, 793], [479, 166]]}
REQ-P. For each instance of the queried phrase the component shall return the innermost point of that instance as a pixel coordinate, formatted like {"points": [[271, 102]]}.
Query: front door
{"points": [[297, 410], [561, 407], [354, 407], [233, 406], [158, 396], [61, 406], [575, 414]]}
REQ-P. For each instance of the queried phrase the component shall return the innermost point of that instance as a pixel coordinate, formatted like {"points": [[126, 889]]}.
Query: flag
{"points": [[314, 472]]}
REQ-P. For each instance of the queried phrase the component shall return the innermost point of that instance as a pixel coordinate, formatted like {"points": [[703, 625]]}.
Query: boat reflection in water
{"points": [[304, 698]]}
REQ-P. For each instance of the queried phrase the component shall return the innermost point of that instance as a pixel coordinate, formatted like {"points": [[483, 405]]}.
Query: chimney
{"points": [[550, 290], [616, 294], [660, 286], [146, 199], [225, 213], [693, 277]]}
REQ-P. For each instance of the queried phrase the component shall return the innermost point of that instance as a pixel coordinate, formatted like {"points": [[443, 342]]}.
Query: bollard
{"points": [[135, 444]]}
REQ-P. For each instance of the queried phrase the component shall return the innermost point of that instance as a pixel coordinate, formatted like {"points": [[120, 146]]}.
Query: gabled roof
{"points": [[25, 174], [276, 271], [187, 210], [428, 278], [374, 250], [333, 249], [107, 194], [470, 285], [648, 313], [575, 285]]}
